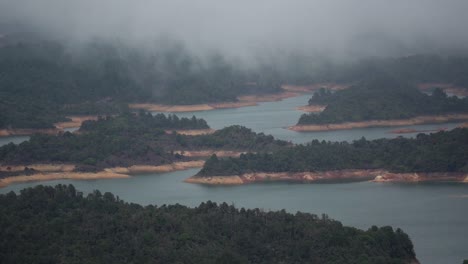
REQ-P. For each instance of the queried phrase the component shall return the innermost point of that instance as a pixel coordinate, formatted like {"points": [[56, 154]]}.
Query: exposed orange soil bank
{"points": [[76, 121], [207, 153], [48, 176], [27, 131], [249, 100], [410, 130], [381, 123], [193, 132], [314, 87], [446, 87], [47, 172], [329, 176], [423, 177], [39, 167], [141, 169], [312, 108]]}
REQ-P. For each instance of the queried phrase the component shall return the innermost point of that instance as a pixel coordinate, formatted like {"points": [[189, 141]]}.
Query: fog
{"points": [[244, 28]]}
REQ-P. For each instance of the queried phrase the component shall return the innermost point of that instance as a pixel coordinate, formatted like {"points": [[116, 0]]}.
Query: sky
{"points": [[243, 27]]}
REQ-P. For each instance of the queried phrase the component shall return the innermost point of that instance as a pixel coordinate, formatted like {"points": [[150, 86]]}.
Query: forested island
{"points": [[441, 156], [74, 228], [126, 144], [381, 101]]}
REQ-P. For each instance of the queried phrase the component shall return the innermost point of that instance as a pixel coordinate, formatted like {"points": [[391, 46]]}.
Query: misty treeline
{"points": [[438, 152], [41, 81], [418, 68], [62, 225], [131, 139], [381, 98]]}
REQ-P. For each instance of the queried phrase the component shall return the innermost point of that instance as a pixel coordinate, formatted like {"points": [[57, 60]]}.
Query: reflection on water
{"points": [[433, 215]]}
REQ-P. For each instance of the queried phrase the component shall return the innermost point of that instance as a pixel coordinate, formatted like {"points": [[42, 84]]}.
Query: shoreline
{"points": [[314, 87], [412, 131], [65, 171], [76, 121], [434, 119], [28, 131], [208, 153], [446, 87], [59, 127], [312, 108], [337, 176], [244, 101]]}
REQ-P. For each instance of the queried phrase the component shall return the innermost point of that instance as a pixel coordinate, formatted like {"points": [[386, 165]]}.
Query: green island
{"points": [[439, 156], [382, 99], [101, 228], [128, 140]]}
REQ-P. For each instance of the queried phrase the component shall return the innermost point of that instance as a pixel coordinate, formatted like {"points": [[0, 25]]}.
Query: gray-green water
{"points": [[12, 139], [273, 117], [434, 215]]}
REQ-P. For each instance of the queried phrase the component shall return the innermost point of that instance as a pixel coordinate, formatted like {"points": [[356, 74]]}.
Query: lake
{"points": [[273, 117], [434, 215]]}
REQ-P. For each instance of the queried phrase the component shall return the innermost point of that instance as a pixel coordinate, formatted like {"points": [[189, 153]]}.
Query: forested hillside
{"points": [[381, 98], [61, 225], [419, 68], [42, 81], [131, 139], [439, 152]]}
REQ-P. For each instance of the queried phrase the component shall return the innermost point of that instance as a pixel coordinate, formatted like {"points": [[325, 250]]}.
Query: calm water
{"points": [[273, 117], [14, 139], [434, 215]]}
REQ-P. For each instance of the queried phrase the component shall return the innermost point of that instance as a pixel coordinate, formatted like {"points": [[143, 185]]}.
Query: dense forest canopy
{"points": [[42, 81], [419, 68], [381, 98], [61, 225], [438, 152], [130, 139]]}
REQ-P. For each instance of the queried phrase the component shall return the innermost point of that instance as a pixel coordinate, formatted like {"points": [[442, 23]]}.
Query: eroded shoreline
{"points": [[338, 176], [381, 123], [28, 131], [47, 172], [311, 108], [75, 121], [244, 101]]}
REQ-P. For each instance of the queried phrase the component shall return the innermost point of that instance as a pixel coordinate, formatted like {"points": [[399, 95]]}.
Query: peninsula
{"points": [[207, 233], [441, 156], [381, 101], [124, 145]]}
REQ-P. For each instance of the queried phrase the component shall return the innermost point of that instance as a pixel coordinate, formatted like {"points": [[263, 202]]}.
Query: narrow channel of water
{"points": [[434, 215], [273, 117]]}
